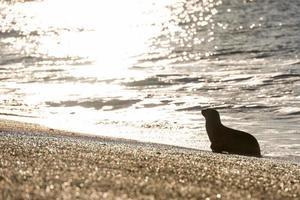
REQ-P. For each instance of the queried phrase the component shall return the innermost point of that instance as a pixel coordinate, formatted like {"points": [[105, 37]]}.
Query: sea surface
{"points": [[144, 70]]}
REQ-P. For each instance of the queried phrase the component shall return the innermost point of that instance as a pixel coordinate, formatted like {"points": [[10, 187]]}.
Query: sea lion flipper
{"points": [[216, 149]]}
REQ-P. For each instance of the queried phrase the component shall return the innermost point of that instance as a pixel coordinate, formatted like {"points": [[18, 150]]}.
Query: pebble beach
{"points": [[41, 163]]}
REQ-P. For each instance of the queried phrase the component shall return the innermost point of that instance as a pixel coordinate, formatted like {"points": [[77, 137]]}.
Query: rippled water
{"points": [[144, 69]]}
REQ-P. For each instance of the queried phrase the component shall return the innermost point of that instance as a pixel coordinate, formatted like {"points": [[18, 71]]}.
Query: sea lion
{"points": [[224, 139]]}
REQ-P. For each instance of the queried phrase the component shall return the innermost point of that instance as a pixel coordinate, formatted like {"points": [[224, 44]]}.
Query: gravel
{"points": [[41, 163]]}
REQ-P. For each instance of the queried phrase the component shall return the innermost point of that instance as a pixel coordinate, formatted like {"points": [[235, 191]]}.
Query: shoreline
{"points": [[38, 162]]}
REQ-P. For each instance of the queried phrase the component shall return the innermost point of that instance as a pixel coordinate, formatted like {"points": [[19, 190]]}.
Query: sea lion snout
{"points": [[210, 114], [205, 112]]}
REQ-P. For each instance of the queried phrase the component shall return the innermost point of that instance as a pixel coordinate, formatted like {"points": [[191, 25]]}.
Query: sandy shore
{"points": [[41, 163]]}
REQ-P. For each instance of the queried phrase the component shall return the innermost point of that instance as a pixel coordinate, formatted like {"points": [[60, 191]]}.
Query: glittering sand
{"points": [[41, 163]]}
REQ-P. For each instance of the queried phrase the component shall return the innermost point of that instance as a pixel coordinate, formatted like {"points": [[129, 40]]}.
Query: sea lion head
{"points": [[211, 115]]}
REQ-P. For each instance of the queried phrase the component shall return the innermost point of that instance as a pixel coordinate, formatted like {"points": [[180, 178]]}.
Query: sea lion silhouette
{"points": [[224, 139]]}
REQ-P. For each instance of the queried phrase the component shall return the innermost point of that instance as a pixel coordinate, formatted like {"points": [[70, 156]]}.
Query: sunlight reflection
{"points": [[116, 34], [109, 33]]}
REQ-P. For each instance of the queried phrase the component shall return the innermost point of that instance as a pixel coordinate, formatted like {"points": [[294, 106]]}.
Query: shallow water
{"points": [[144, 69]]}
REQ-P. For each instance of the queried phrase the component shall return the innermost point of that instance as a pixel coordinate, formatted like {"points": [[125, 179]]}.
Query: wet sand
{"points": [[41, 163]]}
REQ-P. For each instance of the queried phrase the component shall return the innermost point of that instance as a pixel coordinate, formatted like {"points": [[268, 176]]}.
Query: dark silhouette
{"points": [[224, 139]]}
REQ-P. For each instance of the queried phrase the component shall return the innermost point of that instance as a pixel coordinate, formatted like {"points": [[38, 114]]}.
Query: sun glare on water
{"points": [[109, 33]]}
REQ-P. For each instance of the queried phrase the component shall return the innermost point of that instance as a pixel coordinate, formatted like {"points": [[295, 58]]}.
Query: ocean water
{"points": [[144, 70]]}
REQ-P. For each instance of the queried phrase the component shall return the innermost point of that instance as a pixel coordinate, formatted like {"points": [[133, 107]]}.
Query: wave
{"points": [[289, 111], [152, 81], [16, 115], [97, 104], [163, 80], [284, 76]]}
